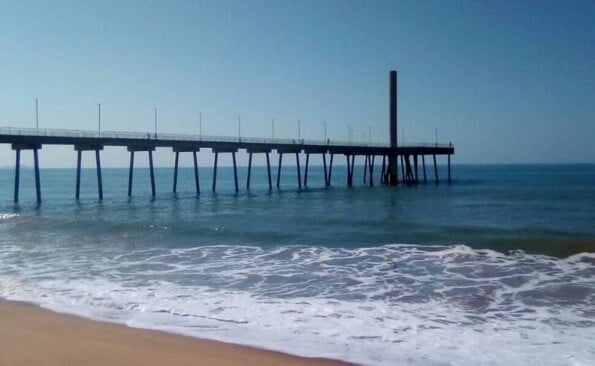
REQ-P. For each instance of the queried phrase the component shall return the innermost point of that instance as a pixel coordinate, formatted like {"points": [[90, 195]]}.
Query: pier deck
{"points": [[33, 139]]}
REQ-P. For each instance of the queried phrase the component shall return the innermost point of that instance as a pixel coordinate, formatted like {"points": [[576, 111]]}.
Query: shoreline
{"points": [[32, 335]]}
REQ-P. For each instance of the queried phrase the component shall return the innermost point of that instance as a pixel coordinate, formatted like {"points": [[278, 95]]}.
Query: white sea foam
{"points": [[395, 304]]}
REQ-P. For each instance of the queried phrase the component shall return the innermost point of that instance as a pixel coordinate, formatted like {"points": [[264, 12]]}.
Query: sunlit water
{"points": [[496, 269]]}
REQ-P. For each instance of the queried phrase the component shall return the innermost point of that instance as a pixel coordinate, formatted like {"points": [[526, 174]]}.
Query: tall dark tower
{"points": [[393, 161]]}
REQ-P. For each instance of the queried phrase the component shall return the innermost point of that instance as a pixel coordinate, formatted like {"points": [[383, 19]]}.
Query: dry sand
{"points": [[30, 335]]}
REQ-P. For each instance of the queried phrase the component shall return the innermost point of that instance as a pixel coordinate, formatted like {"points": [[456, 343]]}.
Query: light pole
{"points": [[99, 117], [299, 130], [200, 124], [370, 133], [36, 114], [436, 136], [324, 123], [273, 128], [155, 110], [348, 133]]}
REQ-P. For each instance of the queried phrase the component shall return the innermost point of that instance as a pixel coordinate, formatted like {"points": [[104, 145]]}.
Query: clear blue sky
{"points": [[505, 81]]}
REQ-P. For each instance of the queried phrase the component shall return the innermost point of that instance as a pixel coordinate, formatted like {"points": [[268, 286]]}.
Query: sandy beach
{"points": [[30, 335]]}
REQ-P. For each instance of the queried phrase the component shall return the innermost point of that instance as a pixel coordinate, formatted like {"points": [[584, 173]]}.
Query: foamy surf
{"points": [[387, 305]]}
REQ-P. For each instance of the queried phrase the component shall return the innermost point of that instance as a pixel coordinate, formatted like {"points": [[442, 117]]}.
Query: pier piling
{"points": [[279, 169], [299, 173], [37, 179], [435, 170], [235, 171], [393, 169], [215, 171], [449, 180], [177, 151], [132, 149], [79, 152], [196, 181], [99, 180], [177, 157], [306, 170], [415, 162], [269, 170], [249, 171], [330, 171], [371, 167], [423, 163], [152, 173], [17, 147], [365, 169], [78, 174], [325, 170], [130, 173], [17, 174]]}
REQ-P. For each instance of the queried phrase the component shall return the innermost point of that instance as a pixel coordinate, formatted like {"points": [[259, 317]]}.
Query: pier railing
{"points": [[21, 131]]}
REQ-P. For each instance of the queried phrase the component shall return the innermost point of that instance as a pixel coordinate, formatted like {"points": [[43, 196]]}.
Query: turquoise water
{"points": [[435, 274]]}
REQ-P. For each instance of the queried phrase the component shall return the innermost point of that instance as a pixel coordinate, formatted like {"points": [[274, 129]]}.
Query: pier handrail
{"points": [[24, 131]]}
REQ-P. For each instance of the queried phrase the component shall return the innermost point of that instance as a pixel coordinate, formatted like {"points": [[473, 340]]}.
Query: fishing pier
{"points": [[398, 164]]}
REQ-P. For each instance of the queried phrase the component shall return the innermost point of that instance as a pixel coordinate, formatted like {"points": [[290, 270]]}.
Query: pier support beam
{"points": [[177, 151], [403, 174], [99, 180], [423, 163], [435, 170], [235, 171], [350, 168], [371, 167], [130, 173], [176, 159], [269, 170], [215, 171], [330, 171], [79, 152], [299, 173], [306, 170], [415, 162], [37, 179], [196, 181], [249, 171], [393, 158], [383, 170], [17, 172], [251, 152], [132, 150], [449, 180], [324, 167], [365, 168], [290, 150], [152, 173], [78, 174], [279, 169], [233, 152]]}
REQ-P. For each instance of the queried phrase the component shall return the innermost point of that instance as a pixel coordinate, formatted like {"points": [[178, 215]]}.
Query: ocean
{"points": [[496, 269]]}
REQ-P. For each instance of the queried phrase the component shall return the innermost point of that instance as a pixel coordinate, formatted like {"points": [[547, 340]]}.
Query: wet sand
{"points": [[30, 335]]}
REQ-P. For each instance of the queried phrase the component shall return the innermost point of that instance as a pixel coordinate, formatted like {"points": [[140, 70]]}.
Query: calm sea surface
{"points": [[496, 269]]}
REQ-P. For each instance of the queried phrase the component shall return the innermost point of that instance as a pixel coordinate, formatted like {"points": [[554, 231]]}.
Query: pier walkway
{"points": [[409, 154]]}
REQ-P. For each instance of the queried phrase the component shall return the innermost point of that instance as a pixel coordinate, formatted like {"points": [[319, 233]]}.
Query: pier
{"points": [[389, 154]]}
